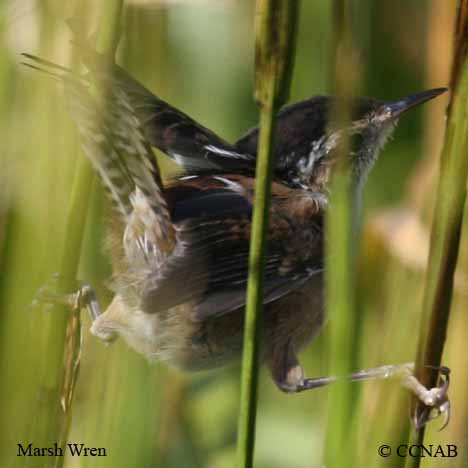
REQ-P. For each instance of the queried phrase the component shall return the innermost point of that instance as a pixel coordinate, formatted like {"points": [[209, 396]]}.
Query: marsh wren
{"points": [[179, 250]]}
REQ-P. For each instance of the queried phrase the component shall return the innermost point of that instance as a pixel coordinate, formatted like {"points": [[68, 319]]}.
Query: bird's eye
{"points": [[385, 114]]}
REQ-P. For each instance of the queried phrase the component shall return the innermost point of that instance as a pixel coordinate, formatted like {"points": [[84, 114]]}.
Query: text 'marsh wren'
{"points": [[179, 250]]}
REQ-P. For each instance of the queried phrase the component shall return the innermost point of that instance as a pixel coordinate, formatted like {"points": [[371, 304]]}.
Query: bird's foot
{"points": [[83, 297], [435, 401]]}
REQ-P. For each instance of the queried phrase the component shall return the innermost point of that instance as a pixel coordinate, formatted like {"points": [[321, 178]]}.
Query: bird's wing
{"points": [[114, 140], [191, 145], [210, 270]]}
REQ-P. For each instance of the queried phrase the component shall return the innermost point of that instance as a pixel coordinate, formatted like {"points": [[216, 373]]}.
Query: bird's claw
{"points": [[82, 297], [435, 401]]}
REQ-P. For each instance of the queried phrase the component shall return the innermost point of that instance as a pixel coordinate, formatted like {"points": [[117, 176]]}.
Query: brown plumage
{"points": [[179, 251], [202, 326]]}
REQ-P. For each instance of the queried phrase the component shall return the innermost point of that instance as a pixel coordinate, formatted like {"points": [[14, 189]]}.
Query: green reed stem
{"points": [[341, 225], [275, 33], [446, 228], [60, 365]]}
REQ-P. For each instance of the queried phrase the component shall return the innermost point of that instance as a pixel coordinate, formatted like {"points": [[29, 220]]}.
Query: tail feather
{"points": [[190, 144], [114, 140], [95, 135]]}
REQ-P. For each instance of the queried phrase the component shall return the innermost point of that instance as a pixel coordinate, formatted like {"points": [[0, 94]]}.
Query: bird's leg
{"points": [[289, 377], [104, 324], [83, 297], [435, 400]]}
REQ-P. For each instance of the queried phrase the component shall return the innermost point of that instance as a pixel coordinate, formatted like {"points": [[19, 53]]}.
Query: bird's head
{"points": [[306, 139]]}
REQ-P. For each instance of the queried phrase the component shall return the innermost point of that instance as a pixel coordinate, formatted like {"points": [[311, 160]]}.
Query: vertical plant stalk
{"points": [[274, 52], [341, 228], [446, 227], [61, 356]]}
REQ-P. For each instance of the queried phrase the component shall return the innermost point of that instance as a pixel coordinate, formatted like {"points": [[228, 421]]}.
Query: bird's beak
{"points": [[397, 108]]}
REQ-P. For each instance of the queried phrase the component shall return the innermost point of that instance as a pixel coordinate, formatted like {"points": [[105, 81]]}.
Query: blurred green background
{"points": [[198, 55]]}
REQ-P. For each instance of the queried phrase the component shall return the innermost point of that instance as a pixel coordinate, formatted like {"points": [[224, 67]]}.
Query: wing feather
{"points": [[209, 269]]}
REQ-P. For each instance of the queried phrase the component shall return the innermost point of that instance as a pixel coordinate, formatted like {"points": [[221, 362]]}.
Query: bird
{"points": [[179, 248]]}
